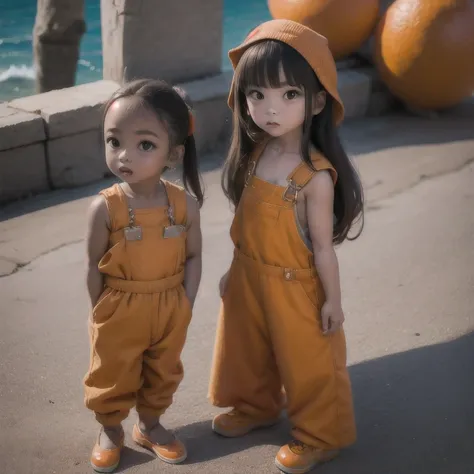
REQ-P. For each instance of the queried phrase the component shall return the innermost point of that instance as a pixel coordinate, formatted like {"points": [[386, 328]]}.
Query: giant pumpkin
{"points": [[424, 51], [345, 23]]}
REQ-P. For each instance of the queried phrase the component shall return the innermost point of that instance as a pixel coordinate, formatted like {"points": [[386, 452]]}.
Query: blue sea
{"points": [[16, 25]]}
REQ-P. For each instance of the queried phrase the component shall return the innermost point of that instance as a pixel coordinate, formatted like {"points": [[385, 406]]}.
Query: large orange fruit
{"points": [[424, 51], [345, 23]]}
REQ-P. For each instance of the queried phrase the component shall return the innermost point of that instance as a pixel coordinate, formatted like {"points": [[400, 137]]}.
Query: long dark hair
{"points": [[170, 106], [260, 66]]}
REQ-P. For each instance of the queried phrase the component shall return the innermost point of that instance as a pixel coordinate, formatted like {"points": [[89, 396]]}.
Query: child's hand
{"points": [[223, 284], [332, 317]]}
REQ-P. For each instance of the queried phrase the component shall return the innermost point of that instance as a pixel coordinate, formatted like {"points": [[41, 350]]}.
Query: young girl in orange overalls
{"points": [[296, 194], [144, 269]]}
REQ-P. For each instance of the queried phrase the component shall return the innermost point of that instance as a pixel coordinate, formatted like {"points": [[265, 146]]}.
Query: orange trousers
{"points": [[260, 347], [138, 331]]}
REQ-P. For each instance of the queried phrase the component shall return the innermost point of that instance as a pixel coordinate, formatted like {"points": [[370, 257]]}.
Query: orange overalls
{"points": [[269, 331], [140, 322]]}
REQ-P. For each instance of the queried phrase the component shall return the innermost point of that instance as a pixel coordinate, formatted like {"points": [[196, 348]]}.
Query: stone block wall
{"points": [[52, 140], [213, 118], [22, 154]]}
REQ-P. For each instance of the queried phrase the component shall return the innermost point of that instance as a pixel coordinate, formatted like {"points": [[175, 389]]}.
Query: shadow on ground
{"points": [[415, 415], [131, 458]]}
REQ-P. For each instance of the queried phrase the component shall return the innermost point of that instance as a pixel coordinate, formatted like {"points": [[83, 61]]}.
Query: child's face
{"points": [[137, 146], [277, 111]]}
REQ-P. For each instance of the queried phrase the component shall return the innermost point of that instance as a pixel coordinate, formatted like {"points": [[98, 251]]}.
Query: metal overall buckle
{"points": [[289, 274], [290, 193], [172, 230], [132, 232]]}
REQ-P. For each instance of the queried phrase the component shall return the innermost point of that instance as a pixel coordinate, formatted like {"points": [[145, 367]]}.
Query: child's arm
{"points": [[319, 208], [193, 268], [97, 242]]}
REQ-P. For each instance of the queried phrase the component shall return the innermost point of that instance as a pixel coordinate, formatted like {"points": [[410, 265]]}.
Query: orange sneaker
{"points": [[298, 458], [106, 460], [172, 453], [235, 423]]}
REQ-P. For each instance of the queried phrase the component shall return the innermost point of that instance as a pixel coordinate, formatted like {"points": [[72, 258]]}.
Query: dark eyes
{"points": [[256, 95], [293, 94], [146, 146], [113, 142], [290, 95]]}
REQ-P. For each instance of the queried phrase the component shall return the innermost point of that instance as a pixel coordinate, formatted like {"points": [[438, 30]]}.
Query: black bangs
{"points": [[260, 66]]}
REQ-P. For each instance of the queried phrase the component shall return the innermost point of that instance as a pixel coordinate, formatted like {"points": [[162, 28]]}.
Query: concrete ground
{"points": [[408, 289]]}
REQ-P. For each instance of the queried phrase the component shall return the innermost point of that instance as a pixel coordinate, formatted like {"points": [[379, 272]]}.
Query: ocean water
{"points": [[16, 56]]}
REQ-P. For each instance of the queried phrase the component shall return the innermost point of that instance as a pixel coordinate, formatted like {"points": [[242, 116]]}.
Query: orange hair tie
{"points": [[191, 124]]}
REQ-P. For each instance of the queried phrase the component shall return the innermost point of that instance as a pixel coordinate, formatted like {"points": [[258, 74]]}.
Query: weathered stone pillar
{"points": [[58, 30], [174, 40]]}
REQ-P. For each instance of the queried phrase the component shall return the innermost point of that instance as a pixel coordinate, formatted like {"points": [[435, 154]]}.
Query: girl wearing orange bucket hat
{"points": [[296, 195]]}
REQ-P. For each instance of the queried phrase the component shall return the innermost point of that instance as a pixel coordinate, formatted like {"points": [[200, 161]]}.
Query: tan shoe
{"points": [[235, 423], [172, 453], [299, 458], [106, 460]]}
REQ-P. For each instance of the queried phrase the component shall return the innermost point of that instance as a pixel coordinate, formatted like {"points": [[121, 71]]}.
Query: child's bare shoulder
{"points": [[192, 209], [98, 211]]}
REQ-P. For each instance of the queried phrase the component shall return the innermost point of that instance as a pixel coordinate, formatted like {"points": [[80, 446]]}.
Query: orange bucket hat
{"points": [[311, 45]]}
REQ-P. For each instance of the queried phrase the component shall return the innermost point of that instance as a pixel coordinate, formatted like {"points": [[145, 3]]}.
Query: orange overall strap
{"points": [[117, 206], [320, 163], [177, 201], [302, 174]]}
